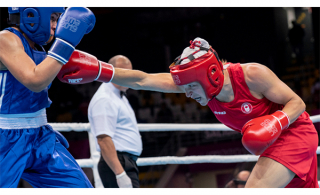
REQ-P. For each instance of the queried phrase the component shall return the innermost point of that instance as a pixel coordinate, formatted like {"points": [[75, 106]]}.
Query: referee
{"points": [[114, 125]]}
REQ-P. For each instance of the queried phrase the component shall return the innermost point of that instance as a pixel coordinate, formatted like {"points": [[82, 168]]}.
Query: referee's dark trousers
{"points": [[128, 162]]}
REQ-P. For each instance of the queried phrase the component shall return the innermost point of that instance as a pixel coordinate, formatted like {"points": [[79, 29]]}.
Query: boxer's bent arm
{"points": [[135, 79], [22, 67], [262, 80], [109, 153]]}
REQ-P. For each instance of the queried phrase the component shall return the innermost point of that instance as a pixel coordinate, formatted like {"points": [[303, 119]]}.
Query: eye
{"points": [[30, 14], [53, 19]]}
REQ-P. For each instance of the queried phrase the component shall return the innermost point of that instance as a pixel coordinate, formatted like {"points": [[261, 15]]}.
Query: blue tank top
{"points": [[15, 98]]}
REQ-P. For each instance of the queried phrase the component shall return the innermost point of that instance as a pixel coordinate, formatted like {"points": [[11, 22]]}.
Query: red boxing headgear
{"points": [[206, 69]]}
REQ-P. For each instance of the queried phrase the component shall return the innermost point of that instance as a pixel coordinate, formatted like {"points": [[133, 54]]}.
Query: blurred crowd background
{"points": [[284, 39]]}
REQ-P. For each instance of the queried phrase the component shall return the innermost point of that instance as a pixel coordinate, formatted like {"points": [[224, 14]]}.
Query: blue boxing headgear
{"points": [[40, 31]]}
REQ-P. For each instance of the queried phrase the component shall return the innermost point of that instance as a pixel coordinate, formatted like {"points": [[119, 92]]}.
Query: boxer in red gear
{"points": [[248, 98]]}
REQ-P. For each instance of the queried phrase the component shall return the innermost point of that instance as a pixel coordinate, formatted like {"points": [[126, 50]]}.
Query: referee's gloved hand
{"points": [[123, 180]]}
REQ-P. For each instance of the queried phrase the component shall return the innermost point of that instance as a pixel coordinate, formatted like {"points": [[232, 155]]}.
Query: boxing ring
{"points": [[92, 162]]}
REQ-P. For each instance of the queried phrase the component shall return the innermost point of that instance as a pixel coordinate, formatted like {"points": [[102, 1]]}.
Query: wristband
{"points": [[61, 51], [283, 119], [121, 175], [106, 72]]}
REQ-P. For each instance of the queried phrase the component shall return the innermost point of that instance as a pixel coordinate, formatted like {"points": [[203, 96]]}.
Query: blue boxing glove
{"points": [[72, 26]]}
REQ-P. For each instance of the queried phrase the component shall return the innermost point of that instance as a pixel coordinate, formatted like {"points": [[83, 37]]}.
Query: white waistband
{"points": [[23, 121]]}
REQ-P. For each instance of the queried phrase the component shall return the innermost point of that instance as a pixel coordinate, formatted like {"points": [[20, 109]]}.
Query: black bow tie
{"points": [[122, 94]]}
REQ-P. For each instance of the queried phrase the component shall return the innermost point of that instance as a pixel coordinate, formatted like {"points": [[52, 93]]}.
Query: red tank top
{"points": [[244, 107]]}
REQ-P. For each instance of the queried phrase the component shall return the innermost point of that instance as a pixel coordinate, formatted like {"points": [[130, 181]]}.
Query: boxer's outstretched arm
{"points": [[139, 80], [84, 68]]}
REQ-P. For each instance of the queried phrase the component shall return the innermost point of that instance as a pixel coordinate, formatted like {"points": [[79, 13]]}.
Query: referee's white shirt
{"points": [[112, 115]]}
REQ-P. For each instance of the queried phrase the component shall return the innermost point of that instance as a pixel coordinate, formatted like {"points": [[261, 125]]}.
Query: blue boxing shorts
{"points": [[37, 155]]}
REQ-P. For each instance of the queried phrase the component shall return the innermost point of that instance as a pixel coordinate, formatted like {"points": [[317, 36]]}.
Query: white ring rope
{"points": [[184, 160], [148, 127], [92, 162], [158, 126], [164, 160]]}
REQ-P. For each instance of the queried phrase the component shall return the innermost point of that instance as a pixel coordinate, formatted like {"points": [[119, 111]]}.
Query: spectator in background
{"points": [[114, 124], [239, 181], [133, 99], [296, 34], [165, 114]]}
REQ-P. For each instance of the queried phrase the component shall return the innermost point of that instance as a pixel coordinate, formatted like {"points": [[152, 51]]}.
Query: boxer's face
{"points": [[195, 91], [53, 25]]}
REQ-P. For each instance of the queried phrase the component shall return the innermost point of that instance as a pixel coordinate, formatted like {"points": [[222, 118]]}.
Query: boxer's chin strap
{"points": [[99, 71]]}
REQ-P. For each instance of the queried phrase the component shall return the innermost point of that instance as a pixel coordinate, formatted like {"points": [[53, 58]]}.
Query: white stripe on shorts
{"points": [[3, 86]]}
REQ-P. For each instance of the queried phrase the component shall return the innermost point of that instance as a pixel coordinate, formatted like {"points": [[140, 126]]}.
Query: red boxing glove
{"points": [[260, 133], [85, 68]]}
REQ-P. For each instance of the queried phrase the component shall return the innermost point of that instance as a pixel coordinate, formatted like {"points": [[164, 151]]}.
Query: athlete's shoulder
{"points": [[254, 70], [9, 41], [257, 76], [252, 66]]}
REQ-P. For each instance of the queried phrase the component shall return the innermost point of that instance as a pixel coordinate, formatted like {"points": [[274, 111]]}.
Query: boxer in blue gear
{"points": [[29, 147]]}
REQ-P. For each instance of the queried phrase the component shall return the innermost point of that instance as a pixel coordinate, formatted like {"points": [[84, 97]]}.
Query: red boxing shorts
{"points": [[296, 149]]}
